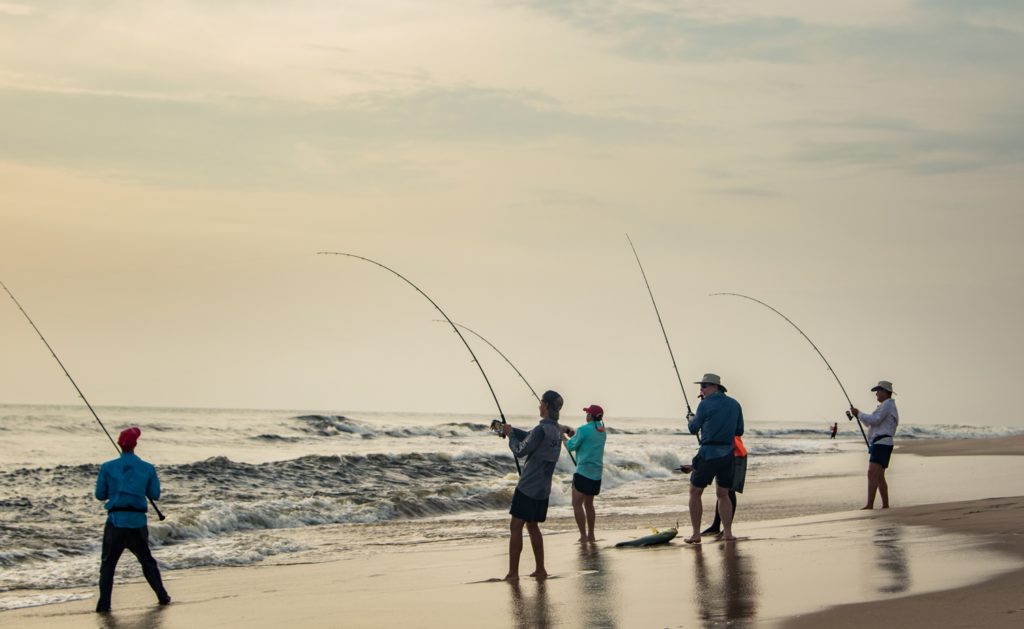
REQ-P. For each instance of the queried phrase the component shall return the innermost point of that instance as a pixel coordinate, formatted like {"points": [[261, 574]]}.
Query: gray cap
{"points": [[884, 385], [712, 378]]}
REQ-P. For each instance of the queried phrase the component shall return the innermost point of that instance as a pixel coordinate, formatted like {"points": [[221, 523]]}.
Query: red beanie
{"points": [[128, 438]]}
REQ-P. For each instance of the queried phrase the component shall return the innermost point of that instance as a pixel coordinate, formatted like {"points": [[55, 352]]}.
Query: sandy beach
{"points": [[993, 603], [956, 562]]}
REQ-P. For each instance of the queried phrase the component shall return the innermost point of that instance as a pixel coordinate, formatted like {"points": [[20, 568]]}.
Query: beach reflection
{"points": [[729, 594], [892, 558], [596, 595], [151, 619], [531, 611]]}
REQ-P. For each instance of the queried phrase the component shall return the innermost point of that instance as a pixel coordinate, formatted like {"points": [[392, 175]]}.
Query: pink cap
{"points": [[128, 438]]}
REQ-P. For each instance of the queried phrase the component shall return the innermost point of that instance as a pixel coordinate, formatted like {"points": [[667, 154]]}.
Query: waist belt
{"points": [[879, 438], [125, 510], [716, 443]]}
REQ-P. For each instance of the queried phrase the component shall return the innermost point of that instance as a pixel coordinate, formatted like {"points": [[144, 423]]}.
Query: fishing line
{"points": [[689, 412], [74, 384], [520, 374], [446, 317], [834, 375]]}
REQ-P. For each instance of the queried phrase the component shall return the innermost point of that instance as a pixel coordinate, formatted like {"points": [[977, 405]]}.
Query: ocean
{"points": [[242, 487]]}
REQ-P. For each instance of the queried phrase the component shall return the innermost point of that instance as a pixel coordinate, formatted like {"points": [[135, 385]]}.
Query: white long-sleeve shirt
{"points": [[883, 421]]}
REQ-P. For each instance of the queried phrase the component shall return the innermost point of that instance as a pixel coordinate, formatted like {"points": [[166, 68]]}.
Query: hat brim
{"points": [[873, 389], [717, 384]]}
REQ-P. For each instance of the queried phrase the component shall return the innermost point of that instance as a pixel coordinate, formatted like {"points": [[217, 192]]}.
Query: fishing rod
{"points": [[74, 384], [447, 318], [689, 411], [834, 374], [521, 376]]}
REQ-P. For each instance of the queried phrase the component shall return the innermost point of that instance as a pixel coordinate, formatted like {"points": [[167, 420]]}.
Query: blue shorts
{"points": [[881, 454], [720, 469]]}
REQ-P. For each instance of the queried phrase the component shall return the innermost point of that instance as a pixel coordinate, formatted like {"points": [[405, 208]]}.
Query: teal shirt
{"points": [[127, 482], [588, 444]]}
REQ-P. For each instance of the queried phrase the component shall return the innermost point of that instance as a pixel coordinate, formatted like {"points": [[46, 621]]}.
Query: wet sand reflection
{"points": [[531, 611], [892, 559], [150, 619], [596, 595], [729, 594]]}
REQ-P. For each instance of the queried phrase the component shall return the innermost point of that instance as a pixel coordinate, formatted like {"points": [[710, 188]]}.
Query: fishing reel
{"points": [[496, 427], [849, 416]]}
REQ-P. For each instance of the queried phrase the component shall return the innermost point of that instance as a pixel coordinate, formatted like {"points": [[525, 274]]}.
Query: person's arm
{"points": [[515, 432], [153, 486], [527, 444], [101, 485], [576, 441], [697, 421], [739, 424], [873, 419]]}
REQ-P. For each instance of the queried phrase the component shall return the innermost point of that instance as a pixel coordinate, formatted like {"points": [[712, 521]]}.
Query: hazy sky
{"points": [[169, 169]]}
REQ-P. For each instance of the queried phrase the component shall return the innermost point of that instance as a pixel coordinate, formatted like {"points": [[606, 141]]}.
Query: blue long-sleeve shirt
{"points": [[719, 419], [588, 443], [127, 482], [541, 447]]}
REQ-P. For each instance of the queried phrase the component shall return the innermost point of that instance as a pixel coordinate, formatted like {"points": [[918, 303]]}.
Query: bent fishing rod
{"points": [[519, 373], [446, 317], [689, 411], [74, 384], [834, 374]]}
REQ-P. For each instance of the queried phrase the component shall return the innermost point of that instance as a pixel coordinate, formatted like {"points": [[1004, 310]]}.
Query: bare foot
{"points": [[728, 538], [539, 574], [591, 539], [867, 508], [885, 506], [582, 540], [693, 539], [511, 577]]}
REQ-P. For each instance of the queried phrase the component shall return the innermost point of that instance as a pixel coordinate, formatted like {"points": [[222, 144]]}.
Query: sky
{"points": [[169, 171]]}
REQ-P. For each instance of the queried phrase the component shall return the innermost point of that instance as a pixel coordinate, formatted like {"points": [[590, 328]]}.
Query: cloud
{"points": [[239, 142], [669, 31], [998, 141]]}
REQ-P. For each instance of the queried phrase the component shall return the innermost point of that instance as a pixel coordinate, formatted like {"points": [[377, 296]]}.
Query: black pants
{"points": [[716, 526], [115, 540]]}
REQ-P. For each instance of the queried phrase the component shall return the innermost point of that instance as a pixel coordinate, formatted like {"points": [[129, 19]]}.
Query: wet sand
{"points": [[938, 564], [1000, 521], [965, 447]]}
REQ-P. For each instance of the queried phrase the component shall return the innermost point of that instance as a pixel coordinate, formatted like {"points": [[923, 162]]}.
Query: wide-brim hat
{"points": [[885, 385], [712, 378]]}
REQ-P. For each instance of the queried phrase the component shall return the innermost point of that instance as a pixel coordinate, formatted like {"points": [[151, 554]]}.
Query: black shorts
{"points": [[527, 508], [586, 486], [720, 469], [881, 454]]}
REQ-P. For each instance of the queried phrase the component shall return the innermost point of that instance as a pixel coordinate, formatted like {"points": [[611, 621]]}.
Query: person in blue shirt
{"points": [[588, 443], [125, 483], [719, 420]]}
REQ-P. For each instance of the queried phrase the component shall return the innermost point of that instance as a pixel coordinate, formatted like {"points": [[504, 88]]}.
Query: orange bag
{"points": [[738, 449]]}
